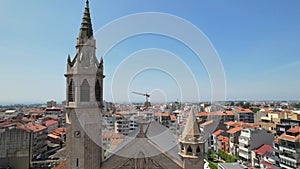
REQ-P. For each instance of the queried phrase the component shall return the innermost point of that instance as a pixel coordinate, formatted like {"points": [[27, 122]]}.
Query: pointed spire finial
{"points": [[86, 29], [69, 59], [101, 60]]}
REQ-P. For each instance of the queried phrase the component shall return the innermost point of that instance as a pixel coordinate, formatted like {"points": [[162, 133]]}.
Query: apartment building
{"points": [[270, 120], [285, 124], [250, 139], [122, 123], [20, 144], [243, 115], [213, 141], [262, 157], [234, 134], [289, 148]]}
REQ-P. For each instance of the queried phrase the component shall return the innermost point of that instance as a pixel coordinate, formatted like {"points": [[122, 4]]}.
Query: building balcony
{"points": [[289, 157], [287, 148], [244, 140], [282, 165], [275, 158], [244, 155]]}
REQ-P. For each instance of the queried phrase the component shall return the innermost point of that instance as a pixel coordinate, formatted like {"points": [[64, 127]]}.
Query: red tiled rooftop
{"points": [[61, 165], [53, 136], [241, 110], [218, 132], [242, 124], [116, 142], [157, 114], [117, 136], [263, 149], [288, 137], [165, 114], [112, 135], [107, 113], [122, 112], [173, 117], [7, 124], [31, 126], [107, 134], [207, 123], [295, 129], [223, 138], [53, 109], [50, 122], [267, 164], [36, 111], [234, 130], [59, 131], [218, 113]]}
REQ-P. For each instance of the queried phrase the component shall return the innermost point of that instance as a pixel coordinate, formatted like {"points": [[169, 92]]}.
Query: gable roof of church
{"points": [[159, 145]]}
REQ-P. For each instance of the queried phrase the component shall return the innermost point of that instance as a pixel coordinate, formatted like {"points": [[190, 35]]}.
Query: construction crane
{"points": [[147, 103]]}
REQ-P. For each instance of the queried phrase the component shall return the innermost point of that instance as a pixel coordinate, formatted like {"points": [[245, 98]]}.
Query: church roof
{"points": [[191, 129], [158, 141]]}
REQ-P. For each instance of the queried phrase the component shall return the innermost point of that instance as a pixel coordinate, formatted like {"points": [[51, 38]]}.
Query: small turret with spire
{"points": [[192, 144]]}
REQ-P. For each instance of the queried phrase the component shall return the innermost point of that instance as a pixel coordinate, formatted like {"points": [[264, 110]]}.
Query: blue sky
{"points": [[257, 42]]}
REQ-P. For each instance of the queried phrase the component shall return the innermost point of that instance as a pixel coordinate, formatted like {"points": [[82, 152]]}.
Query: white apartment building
{"points": [[250, 139]]}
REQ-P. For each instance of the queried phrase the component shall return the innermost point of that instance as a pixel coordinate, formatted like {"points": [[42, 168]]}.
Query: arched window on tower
{"points": [[198, 151], [71, 91], [85, 91], [98, 91], [189, 151]]}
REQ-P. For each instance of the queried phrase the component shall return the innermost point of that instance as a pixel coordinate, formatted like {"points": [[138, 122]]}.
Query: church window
{"points": [[198, 150], [71, 91], [98, 91], [189, 150], [85, 91]]}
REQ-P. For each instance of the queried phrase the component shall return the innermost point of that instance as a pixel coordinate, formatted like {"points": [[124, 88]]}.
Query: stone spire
{"points": [[192, 144], [191, 130], [86, 29]]}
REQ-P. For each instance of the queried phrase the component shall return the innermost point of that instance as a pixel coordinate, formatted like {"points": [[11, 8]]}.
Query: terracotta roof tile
{"points": [[61, 165], [295, 129], [31, 126], [288, 137], [263, 149], [234, 130], [241, 110], [173, 117], [218, 132], [165, 114], [50, 122], [217, 113]]}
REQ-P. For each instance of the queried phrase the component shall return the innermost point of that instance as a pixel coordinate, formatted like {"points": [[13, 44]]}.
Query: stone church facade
{"points": [[142, 149]]}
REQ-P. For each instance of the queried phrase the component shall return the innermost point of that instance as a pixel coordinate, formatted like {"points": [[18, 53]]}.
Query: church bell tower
{"points": [[84, 101], [192, 144]]}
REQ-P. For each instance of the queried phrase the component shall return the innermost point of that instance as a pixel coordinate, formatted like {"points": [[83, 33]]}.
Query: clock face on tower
{"points": [[77, 134]]}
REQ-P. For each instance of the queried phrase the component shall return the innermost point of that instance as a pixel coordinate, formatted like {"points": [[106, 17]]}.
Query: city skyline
{"points": [[257, 44]]}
